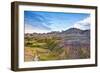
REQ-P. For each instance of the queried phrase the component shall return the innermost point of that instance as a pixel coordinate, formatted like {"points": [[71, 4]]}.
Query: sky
{"points": [[44, 22]]}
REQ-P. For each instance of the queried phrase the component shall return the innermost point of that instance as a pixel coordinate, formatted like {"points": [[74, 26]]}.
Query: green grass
{"points": [[49, 49], [49, 56]]}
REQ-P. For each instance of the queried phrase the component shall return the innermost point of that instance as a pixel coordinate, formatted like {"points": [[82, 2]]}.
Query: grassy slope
{"points": [[43, 54]]}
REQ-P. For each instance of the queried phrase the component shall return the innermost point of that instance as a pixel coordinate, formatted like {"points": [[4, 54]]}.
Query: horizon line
{"points": [[56, 31]]}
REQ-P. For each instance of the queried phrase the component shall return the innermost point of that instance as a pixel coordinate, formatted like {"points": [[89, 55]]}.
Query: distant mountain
{"points": [[73, 31], [76, 31], [86, 32], [70, 35]]}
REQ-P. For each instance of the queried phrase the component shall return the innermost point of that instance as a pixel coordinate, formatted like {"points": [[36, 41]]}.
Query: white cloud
{"points": [[31, 29], [83, 24]]}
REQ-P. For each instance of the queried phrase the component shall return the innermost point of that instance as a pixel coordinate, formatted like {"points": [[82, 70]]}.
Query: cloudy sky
{"points": [[43, 22]]}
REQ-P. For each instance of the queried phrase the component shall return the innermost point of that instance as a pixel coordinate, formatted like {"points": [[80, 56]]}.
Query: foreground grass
{"points": [[43, 54], [50, 49]]}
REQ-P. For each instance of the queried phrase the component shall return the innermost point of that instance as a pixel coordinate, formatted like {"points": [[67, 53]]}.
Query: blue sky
{"points": [[43, 22]]}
